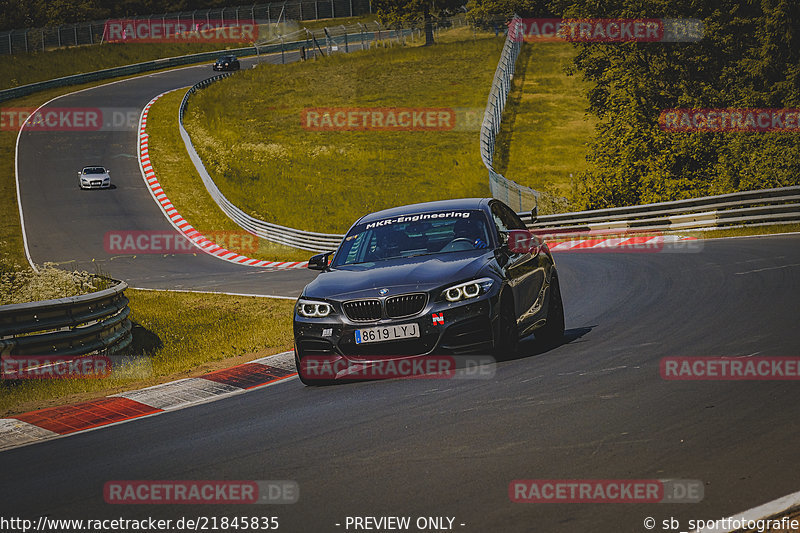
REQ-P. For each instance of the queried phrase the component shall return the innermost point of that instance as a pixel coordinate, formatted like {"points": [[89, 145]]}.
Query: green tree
{"points": [[749, 57], [404, 13], [489, 13]]}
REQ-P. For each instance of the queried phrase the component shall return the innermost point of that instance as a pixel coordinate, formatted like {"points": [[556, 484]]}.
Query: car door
{"points": [[524, 270]]}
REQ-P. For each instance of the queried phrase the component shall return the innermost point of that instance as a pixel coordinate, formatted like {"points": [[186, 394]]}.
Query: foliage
{"points": [[749, 58], [415, 13], [493, 13]]}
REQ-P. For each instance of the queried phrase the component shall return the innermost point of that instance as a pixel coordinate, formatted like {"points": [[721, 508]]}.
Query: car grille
{"points": [[405, 305], [363, 310]]}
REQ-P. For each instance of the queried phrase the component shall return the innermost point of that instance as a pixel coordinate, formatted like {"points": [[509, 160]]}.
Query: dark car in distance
{"points": [[429, 279], [227, 63]]}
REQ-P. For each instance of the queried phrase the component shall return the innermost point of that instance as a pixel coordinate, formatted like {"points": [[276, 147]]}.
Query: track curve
{"points": [[595, 407], [65, 225]]}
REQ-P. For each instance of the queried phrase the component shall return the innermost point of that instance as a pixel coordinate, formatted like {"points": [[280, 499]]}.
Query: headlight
{"points": [[470, 289], [311, 309]]}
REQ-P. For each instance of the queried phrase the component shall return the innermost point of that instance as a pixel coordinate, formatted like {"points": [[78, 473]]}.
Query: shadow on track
{"points": [[530, 346]]}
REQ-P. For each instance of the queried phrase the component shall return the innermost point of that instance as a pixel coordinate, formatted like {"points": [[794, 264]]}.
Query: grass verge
{"points": [[248, 131], [181, 335], [546, 129], [744, 232], [183, 186]]}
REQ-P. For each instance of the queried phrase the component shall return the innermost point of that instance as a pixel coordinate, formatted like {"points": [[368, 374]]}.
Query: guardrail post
{"points": [[346, 47], [283, 59], [328, 45]]}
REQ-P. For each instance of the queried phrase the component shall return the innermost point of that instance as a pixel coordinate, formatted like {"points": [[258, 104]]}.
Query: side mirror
{"points": [[502, 237], [534, 214], [319, 261]]}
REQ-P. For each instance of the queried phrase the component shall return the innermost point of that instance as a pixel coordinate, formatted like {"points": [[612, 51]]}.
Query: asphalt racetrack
{"points": [[595, 407], [67, 226]]}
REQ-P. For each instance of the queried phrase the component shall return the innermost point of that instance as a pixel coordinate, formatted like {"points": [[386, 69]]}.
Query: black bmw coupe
{"points": [[446, 277]]}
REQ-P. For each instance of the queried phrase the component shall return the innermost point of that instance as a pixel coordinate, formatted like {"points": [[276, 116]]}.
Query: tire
{"points": [[506, 333], [552, 333]]}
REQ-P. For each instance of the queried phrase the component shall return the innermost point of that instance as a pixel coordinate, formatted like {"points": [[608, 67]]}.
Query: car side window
{"points": [[513, 220], [499, 219], [505, 219]]}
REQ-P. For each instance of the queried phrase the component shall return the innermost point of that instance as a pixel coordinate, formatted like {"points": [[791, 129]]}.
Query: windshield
{"points": [[414, 235], [94, 170]]}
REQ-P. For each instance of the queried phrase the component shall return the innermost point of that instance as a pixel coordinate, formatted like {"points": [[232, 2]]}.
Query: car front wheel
{"points": [[552, 332], [506, 333]]}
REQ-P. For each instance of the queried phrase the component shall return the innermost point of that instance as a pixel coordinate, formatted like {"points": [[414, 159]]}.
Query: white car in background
{"points": [[94, 178]]}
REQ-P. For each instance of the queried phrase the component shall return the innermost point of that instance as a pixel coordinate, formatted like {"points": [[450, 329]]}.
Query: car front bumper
{"points": [[95, 184], [445, 329]]}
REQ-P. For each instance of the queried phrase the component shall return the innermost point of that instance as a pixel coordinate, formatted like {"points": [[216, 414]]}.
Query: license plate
{"points": [[387, 333]]}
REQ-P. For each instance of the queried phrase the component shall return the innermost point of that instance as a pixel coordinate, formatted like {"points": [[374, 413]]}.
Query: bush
{"points": [[22, 286]]}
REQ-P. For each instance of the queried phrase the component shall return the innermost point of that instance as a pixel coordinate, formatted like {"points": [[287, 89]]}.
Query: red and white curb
{"points": [[175, 218], [54, 422], [622, 244]]}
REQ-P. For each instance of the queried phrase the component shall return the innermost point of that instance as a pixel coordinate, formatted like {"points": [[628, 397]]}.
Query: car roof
{"points": [[427, 207]]}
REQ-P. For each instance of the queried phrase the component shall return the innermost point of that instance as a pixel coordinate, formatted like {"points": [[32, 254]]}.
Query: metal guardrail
{"points": [[276, 45], [747, 208], [518, 197], [78, 325], [304, 240], [127, 70], [92, 32]]}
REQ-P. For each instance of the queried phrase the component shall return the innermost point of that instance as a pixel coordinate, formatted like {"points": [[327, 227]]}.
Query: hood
{"points": [[402, 275]]}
